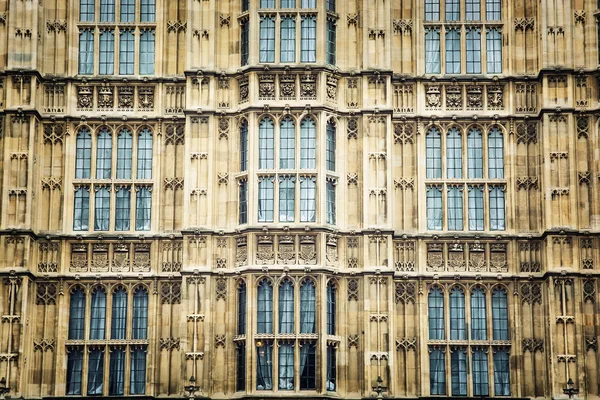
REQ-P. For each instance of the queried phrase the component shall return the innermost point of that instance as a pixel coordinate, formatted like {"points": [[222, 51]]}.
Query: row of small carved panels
{"points": [[472, 257], [460, 97], [290, 249], [114, 257], [121, 98], [287, 87]]}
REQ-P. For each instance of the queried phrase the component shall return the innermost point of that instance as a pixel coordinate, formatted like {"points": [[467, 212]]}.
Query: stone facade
{"points": [[375, 248]]}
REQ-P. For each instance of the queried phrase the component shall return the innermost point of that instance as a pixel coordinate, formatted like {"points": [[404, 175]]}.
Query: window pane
{"points": [[454, 154], [265, 308], [432, 50], [124, 150], [241, 327], [95, 373], [455, 208], [307, 307], [144, 154], [267, 3], [288, 40], [497, 208], [138, 371], [102, 209], [492, 9], [309, 38], [330, 5], [83, 158], [266, 139], [265, 199], [494, 51], [308, 199], [104, 154], [127, 10], [119, 315], [330, 202], [331, 381], [331, 41], [243, 211], [126, 53], [107, 10], [86, 52], [501, 373], [475, 154], [107, 53], [139, 326], [309, 3], [495, 154], [86, 10], [452, 10], [240, 383], [286, 367], [81, 211], [147, 52], [287, 194], [434, 208], [432, 10], [331, 309], [245, 42], [480, 373], [434, 153], [459, 372], [286, 308], [147, 11], [437, 372], [77, 315], [244, 146], [264, 368], [116, 385], [473, 10], [143, 208], [478, 315], [267, 39], [308, 144], [457, 315], [436, 314], [475, 208], [330, 147], [500, 315], [308, 367], [74, 370], [288, 3], [287, 144], [473, 51], [98, 315], [452, 50]]}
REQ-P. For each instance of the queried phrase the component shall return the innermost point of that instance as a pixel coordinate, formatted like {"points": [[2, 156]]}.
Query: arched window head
{"points": [[124, 154], [77, 314], [478, 315], [436, 314], [98, 314], [500, 314], [119, 314], [457, 314], [307, 307], [308, 144], [434, 153], [140, 313], [286, 307], [265, 307]]}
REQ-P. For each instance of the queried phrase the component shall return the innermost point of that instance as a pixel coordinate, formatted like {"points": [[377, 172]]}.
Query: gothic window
{"points": [[287, 194], [330, 202], [478, 315], [81, 209], [86, 52], [147, 52], [307, 307], [287, 144], [126, 53], [124, 154], [102, 208], [137, 380], [244, 42], [501, 373], [331, 309], [475, 154], [437, 372], [265, 199], [143, 208], [245, 5], [308, 144], [98, 314], [458, 366], [139, 324], [495, 154], [127, 10], [266, 144], [119, 314], [243, 200], [144, 154], [480, 373], [473, 10], [240, 355], [454, 154], [308, 52], [95, 374], [288, 40], [148, 11], [241, 309], [267, 3], [267, 38], [288, 3], [434, 208], [432, 10], [475, 207], [308, 367], [436, 314], [432, 50], [286, 309], [330, 146], [309, 3], [308, 194], [104, 154], [452, 10], [434, 153], [243, 146], [331, 40], [493, 10], [86, 10], [499, 315], [330, 5], [107, 10], [457, 314], [116, 385], [83, 157], [494, 50], [74, 371], [453, 50], [107, 52], [264, 368], [265, 308], [331, 378], [286, 366], [455, 208], [473, 39], [77, 315], [497, 207]]}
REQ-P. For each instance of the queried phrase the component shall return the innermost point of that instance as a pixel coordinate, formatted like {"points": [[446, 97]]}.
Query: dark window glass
{"points": [[267, 39], [434, 153], [475, 154], [98, 315], [74, 371], [458, 360], [454, 154], [308, 196], [494, 51], [308, 366], [266, 144], [330, 146], [138, 371], [124, 154], [104, 154], [501, 373], [245, 42], [287, 194], [240, 382], [478, 315], [107, 10], [308, 51], [265, 307], [473, 50], [266, 198], [330, 5], [144, 154], [432, 50], [95, 375], [77, 315], [116, 377], [147, 11], [432, 10], [86, 51], [118, 323], [473, 10], [147, 52], [453, 50], [480, 373], [107, 52], [493, 10], [102, 209], [495, 154], [267, 3], [437, 372], [123, 208], [434, 207], [241, 327], [126, 53], [81, 212], [127, 10], [243, 199], [286, 308], [286, 366], [330, 202], [139, 326], [287, 144], [457, 314], [308, 312], [475, 207], [436, 314], [83, 158], [497, 222], [143, 208], [331, 42], [264, 367], [455, 208], [245, 5], [308, 144], [86, 10], [331, 382], [288, 40], [500, 315], [452, 10], [244, 146], [331, 309]]}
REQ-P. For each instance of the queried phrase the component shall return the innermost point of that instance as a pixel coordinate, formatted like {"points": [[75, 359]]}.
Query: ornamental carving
{"points": [[352, 19], [405, 292], [175, 134], [84, 98], [406, 344], [591, 343], [308, 250], [219, 341], [286, 251], [54, 133], [531, 293], [106, 97], [56, 25], [527, 133], [221, 289], [308, 87], [433, 97], [46, 293], [353, 341], [527, 183], [265, 254], [498, 258], [126, 98], [353, 289], [533, 345], [146, 98], [170, 292], [287, 86], [402, 26], [589, 291], [474, 97], [524, 24], [404, 183], [584, 178], [403, 133], [352, 128], [266, 87], [169, 343], [141, 257], [241, 255], [495, 97], [454, 97], [43, 345], [243, 88], [176, 26], [352, 178], [331, 89], [435, 257]]}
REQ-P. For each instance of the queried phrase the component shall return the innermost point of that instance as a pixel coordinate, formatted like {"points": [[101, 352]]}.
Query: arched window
{"points": [[124, 150], [501, 373], [331, 308], [307, 307], [244, 146], [86, 51], [500, 314], [454, 154], [457, 314], [266, 143], [144, 154], [480, 372], [287, 144], [286, 307], [83, 156], [478, 315], [98, 314], [126, 52], [308, 144], [77, 315], [147, 52], [265, 307], [495, 154], [241, 309], [140, 314], [119, 314], [103, 154], [436, 314], [475, 153], [458, 366], [116, 376], [330, 146], [434, 153]]}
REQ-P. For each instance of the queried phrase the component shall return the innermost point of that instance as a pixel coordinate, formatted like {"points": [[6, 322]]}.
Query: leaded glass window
{"points": [[457, 315], [458, 367], [127, 10], [124, 154], [330, 146], [126, 53], [475, 207], [81, 209], [107, 52], [287, 198], [95, 372], [240, 381], [308, 44], [331, 41], [265, 307], [288, 40], [118, 323], [501, 373], [143, 208], [432, 50], [98, 314], [436, 314], [308, 313], [267, 39], [107, 10], [138, 371], [147, 52], [473, 10], [432, 10], [308, 199], [330, 202], [494, 51], [493, 10], [497, 218], [264, 367], [480, 373], [116, 377], [286, 366], [147, 11], [454, 154], [473, 41], [453, 50], [287, 144], [241, 309], [434, 207], [104, 154], [86, 51], [286, 308], [308, 144], [308, 367], [244, 42], [144, 154], [434, 153], [475, 154], [437, 372], [244, 146], [495, 154], [83, 156], [452, 10], [139, 325], [478, 315], [266, 198], [499, 314], [102, 209], [331, 308], [74, 371], [86, 10], [243, 199], [455, 208], [77, 315], [266, 144]]}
